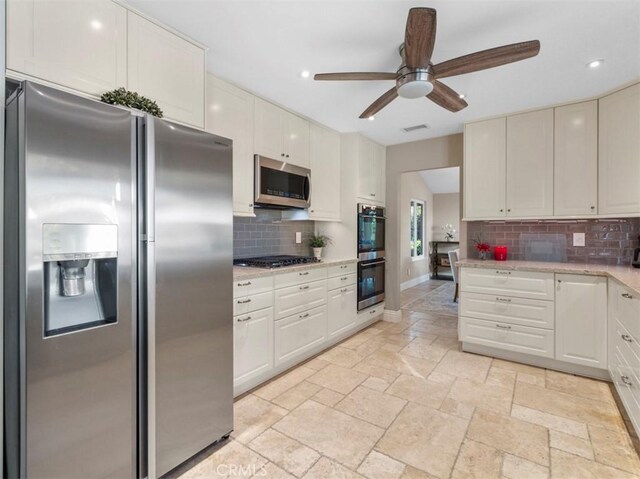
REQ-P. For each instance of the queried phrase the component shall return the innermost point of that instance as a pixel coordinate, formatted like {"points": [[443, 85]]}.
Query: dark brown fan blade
{"points": [[355, 76], [380, 103], [419, 37], [445, 97], [494, 57]]}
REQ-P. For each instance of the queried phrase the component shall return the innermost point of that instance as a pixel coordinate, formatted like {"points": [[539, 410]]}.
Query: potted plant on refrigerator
{"points": [[317, 242]]}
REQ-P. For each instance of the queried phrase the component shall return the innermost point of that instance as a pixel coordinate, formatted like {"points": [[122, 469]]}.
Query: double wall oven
{"points": [[371, 255]]}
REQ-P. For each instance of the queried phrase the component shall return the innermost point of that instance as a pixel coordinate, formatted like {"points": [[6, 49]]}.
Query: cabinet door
{"points": [[619, 152], [230, 114], [298, 334], [78, 44], [342, 310], [380, 167], [296, 140], [576, 159], [581, 320], [168, 69], [325, 174], [253, 345], [366, 172], [269, 128], [485, 169], [530, 164]]}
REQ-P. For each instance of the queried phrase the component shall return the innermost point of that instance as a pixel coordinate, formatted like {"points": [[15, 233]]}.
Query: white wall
{"points": [[446, 210], [413, 187]]}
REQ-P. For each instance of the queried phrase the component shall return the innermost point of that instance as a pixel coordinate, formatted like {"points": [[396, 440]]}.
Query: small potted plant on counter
{"points": [[317, 242]]}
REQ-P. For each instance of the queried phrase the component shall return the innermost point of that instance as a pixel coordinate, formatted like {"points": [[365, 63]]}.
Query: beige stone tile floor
{"points": [[401, 400]]}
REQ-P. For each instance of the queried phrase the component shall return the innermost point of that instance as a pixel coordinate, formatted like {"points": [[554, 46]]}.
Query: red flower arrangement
{"points": [[481, 246]]}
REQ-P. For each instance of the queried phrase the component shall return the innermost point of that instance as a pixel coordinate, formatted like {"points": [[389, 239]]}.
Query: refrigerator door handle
{"points": [[150, 180], [151, 358]]}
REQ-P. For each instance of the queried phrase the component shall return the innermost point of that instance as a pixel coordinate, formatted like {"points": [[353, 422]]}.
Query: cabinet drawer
{"points": [[247, 287], [525, 312], [627, 348], [628, 387], [246, 304], [342, 269], [341, 281], [299, 298], [510, 337], [522, 284], [300, 333], [253, 345], [371, 312], [628, 310], [285, 280]]}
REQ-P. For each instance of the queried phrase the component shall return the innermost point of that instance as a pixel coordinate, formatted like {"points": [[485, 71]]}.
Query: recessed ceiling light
{"points": [[461, 96], [305, 74], [371, 118], [96, 24], [595, 63]]}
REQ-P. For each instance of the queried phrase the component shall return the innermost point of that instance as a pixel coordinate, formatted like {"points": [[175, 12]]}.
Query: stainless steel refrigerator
{"points": [[118, 275]]}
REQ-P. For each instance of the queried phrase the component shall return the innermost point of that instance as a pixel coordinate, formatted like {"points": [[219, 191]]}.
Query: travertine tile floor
{"points": [[402, 401]]}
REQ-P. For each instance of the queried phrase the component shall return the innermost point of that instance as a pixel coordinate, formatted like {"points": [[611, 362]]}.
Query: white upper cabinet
{"points": [[619, 152], [230, 114], [581, 319], [79, 44], [280, 135], [371, 171], [168, 69], [576, 159], [325, 174], [484, 169], [530, 164]]}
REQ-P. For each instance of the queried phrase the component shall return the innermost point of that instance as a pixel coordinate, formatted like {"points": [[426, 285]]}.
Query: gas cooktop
{"points": [[274, 261]]}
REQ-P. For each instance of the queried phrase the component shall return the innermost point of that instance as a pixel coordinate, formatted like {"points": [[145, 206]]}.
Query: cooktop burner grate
{"points": [[274, 261]]}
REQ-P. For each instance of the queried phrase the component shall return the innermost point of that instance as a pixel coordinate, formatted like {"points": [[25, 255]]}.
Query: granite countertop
{"points": [[247, 272], [627, 275]]}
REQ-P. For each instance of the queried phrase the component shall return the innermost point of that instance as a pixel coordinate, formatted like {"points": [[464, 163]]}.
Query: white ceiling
{"points": [[263, 45], [442, 180]]}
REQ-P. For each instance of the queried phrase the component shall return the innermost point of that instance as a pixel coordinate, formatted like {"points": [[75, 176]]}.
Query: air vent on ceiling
{"points": [[409, 129]]}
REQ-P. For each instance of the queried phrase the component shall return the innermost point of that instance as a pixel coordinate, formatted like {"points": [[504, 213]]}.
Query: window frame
{"points": [[413, 219]]}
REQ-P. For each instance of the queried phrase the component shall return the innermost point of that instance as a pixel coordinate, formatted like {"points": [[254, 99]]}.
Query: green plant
{"points": [[121, 96], [319, 241]]}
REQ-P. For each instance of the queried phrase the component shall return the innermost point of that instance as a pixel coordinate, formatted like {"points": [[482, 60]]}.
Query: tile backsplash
{"points": [[606, 241], [267, 234]]}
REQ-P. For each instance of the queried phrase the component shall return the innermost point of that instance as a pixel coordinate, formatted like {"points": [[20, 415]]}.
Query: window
{"points": [[416, 244]]}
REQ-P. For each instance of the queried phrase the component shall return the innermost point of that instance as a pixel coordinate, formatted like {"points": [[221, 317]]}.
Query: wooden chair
{"points": [[453, 259]]}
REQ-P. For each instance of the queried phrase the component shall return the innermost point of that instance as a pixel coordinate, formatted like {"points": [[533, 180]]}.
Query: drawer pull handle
{"points": [[244, 301], [503, 300], [373, 311], [344, 278], [503, 326], [627, 295], [305, 315], [503, 272], [247, 283], [344, 266], [304, 287], [626, 380], [344, 290], [627, 338], [304, 274], [241, 320]]}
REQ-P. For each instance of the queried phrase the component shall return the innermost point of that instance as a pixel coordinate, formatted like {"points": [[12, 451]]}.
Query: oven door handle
{"points": [[371, 216], [373, 264]]}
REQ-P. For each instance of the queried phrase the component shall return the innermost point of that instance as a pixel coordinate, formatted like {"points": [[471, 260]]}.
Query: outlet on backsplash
{"points": [[578, 239]]}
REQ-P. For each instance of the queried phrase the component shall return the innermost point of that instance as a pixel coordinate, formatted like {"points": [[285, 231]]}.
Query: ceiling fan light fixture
{"points": [[415, 89]]}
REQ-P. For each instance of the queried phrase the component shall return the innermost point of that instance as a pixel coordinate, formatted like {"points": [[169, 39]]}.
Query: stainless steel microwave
{"points": [[281, 185]]}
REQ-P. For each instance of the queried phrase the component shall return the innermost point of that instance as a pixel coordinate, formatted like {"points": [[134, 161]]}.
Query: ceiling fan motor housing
{"points": [[414, 82]]}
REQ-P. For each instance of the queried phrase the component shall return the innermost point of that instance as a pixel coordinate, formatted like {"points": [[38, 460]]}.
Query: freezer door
{"points": [[70, 249], [188, 226]]}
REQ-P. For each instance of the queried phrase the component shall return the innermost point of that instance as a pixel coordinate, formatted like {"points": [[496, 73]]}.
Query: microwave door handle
{"points": [[307, 189]]}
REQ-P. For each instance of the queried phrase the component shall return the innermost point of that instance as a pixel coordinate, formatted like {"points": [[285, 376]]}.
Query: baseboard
{"points": [[392, 316], [414, 282]]}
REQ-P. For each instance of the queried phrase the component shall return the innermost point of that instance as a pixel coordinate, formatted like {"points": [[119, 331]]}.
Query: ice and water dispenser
{"points": [[80, 276]]}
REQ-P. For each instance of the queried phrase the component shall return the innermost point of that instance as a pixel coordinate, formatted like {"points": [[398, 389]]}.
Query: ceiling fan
{"points": [[418, 77]]}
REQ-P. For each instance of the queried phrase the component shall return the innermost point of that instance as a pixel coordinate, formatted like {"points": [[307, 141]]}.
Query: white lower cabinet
{"points": [[342, 310], [299, 334], [581, 320], [253, 345], [301, 297]]}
